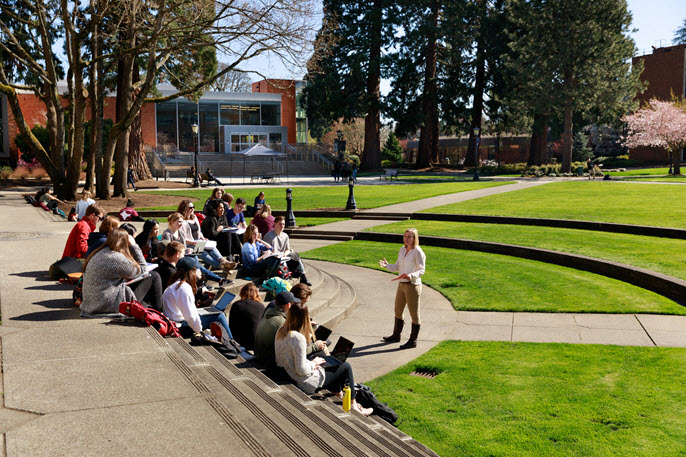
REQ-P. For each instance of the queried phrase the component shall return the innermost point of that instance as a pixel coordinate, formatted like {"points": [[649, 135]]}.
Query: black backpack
{"points": [[366, 398]]}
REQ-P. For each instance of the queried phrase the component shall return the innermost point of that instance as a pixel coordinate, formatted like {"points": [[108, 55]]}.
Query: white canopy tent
{"points": [[260, 150]]}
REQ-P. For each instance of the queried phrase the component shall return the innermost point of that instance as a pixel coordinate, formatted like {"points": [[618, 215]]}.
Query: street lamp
{"points": [[290, 217], [194, 128], [351, 196], [476, 131]]}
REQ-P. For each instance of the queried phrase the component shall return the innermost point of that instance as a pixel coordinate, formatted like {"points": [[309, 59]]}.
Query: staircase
{"points": [[263, 418], [225, 165]]}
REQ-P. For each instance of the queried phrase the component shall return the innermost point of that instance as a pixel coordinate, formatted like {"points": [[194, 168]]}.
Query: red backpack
{"points": [[150, 316]]}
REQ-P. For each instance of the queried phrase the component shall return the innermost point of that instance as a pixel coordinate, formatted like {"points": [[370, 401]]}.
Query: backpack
{"points": [[150, 316], [30, 199], [77, 295], [366, 398]]}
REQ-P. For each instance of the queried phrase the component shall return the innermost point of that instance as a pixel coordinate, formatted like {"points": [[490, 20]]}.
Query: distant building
{"points": [[665, 72], [270, 115]]}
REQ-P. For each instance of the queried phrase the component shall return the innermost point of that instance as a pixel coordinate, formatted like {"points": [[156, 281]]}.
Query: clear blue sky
{"points": [[656, 20]]}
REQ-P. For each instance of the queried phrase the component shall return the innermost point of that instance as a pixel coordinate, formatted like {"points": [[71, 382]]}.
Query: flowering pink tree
{"points": [[660, 124]]}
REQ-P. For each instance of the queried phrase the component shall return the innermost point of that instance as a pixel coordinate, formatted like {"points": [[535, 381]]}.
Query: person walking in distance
{"points": [[410, 265]]}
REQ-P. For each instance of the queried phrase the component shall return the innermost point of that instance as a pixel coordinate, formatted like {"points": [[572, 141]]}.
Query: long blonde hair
{"points": [[416, 236], [265, 211], [117, 241], [298, 319]]}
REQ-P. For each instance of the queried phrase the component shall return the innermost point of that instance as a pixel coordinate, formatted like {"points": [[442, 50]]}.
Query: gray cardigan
{"points": [[104, 281], [290, 354]]}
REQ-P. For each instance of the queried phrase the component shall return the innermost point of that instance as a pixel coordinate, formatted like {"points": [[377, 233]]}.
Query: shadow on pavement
{"points": [[41, 275], [368, 349]]}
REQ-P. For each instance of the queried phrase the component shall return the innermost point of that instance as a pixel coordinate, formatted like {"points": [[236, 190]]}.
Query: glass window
{"points": [[275, 141], [229, 113], [166, 124], [235, 138], [209, 127], [235, 147], [271, 113], [188, 115], [263, 140], [250, 113]]}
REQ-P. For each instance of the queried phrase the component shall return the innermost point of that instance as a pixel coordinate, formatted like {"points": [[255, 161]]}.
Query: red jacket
{"points": [[77, 243]]}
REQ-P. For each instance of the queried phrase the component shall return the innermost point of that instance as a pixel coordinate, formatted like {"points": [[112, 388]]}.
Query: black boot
{"points": [[303, 280], [412, 342], [397, 330]]}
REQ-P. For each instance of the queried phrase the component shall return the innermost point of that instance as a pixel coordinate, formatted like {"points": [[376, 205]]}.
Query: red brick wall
{"points": [[663, 70], [286, 88]]}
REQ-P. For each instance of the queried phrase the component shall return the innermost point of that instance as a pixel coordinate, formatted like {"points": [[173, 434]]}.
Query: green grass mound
{"points": [[526, 399], [655, 204], [478, 281], [663, 255]]}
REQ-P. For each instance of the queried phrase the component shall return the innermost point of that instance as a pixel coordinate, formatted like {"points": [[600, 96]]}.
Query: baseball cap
{"points": [[186, 264], [284, 297]]}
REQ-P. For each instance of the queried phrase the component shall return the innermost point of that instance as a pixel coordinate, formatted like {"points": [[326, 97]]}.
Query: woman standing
{"points": [[309, 375], [411, 265]]}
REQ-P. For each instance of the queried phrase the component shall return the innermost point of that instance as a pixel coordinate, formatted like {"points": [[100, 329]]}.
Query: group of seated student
{"points": [[77, 242], [284, 345], [264, 220]]}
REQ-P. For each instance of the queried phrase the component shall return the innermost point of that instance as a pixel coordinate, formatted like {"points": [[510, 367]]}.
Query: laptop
{"points": [[198, 248], [322, 333], [339, 353], [224, 301]]}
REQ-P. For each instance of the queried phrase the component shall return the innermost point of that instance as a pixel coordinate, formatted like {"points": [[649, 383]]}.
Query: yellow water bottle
{"points": [[346, 398]]}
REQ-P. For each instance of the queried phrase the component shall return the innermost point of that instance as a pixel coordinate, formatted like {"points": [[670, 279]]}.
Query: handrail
{"points": [[155, 162]]}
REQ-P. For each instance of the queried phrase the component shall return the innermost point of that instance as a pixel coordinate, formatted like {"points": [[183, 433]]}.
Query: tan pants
{"points": [[408, 294]]}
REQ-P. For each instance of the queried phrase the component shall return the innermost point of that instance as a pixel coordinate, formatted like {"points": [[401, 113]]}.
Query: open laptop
{"points": [[339, 353], [198, 248], [224, 301], [322, 333]]}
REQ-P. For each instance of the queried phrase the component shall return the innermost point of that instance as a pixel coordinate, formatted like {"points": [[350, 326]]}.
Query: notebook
{"points": [[224, 301], [339, 353]]}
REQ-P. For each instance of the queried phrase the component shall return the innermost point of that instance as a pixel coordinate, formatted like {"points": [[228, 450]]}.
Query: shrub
{"points": [[5, 172]]}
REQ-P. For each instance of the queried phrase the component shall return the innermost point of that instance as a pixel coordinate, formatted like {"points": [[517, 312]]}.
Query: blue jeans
{"points": [[211, 257], [207, 320], [208, 274]]}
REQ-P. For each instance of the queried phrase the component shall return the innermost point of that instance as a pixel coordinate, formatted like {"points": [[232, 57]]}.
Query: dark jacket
{"points": [[95, 240], [264, 337], [244, 317], [165, 270]]}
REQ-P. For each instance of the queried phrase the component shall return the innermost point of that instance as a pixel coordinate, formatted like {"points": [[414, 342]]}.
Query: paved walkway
{"points": [[73, 383]]}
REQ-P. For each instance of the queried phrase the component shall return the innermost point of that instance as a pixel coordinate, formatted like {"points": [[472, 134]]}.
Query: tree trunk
{"points": [[371, 157], [427, 151], [539, 141], [567, 138], [676, 162], [137, 158], [478, 106]]}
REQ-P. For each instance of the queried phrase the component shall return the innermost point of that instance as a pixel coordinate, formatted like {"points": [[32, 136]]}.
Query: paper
{"points": [[236, 230]]}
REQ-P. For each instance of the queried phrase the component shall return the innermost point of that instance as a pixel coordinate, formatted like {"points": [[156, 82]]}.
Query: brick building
{"points": [[665, 72], [227, 121]]}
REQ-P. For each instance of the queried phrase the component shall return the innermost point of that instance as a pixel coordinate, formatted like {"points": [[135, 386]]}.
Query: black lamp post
{"points": [[194, 128], [476, 154], [351, 196], [290, 217]]}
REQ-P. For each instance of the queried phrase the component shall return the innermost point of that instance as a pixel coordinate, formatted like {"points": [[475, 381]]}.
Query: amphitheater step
{"points": [[320, 236], [380, 217]]}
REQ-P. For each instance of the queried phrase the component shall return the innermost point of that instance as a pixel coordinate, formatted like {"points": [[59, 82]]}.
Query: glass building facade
{"points": [[226, 122]]}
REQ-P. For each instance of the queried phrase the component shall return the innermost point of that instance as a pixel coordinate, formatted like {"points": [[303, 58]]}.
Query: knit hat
{"points": [[186, 264]]}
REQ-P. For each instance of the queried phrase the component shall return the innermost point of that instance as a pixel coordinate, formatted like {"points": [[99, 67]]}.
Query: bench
{"points": [[266, 179], [389, 174], [201, 177]]}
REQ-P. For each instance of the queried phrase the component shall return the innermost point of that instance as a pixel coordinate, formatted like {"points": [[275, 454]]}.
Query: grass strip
{"points": [[305, 198], [628, 203], [662, 255], [479, 281], [524, 399]]}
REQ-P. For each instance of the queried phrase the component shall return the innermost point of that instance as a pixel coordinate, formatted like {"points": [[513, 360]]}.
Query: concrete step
{"points": [[339, 307], [325, 295], [380, 217], [272, 419], [320, 236]]}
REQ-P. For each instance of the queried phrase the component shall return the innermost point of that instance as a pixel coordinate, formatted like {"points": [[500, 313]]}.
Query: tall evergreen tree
{"points": [[392, 150], [680, 34]]}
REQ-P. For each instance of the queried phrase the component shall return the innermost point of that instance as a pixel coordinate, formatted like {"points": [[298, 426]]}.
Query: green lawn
{"points": [[643, 204], [305, 198], [525, 399], [663, 255], [642, 172], [665, 179], [488, 282]]}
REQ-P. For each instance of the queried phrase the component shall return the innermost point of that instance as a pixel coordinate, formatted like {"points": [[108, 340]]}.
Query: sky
{"points": [[655, 21]]}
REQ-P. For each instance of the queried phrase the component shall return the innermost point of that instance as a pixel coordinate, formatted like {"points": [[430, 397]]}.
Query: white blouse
{"points": [[413, 264]]}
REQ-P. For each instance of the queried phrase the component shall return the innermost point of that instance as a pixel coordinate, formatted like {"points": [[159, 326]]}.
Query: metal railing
{"points": [[155, 163], [310, 153]]}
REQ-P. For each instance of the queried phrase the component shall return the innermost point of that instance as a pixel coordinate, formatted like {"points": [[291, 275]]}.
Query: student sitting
{"points": [[264, 220], [309, 375], [166, 262], [77, 242], [45, 196], [235, 216], [245, 316], [192, 232], [179, 301], [256, 254], [147, 239], [81, 205], [216, 194], [259, 203], [228, 243], [266, 332], [106, 272], [128, 213], [280, 243], [211, 177], [97, 239]]}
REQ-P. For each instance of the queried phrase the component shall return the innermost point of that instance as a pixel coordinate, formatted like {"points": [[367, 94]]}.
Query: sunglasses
{"points": [[191, 207]]}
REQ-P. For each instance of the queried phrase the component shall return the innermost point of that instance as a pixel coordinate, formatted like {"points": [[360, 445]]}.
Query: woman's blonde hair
{"points": [[416, 236], [298, 319], [265, 211], [117, 241], [107, 224], [250, 292], [174, 216], [251, 228], [228, 198]]}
